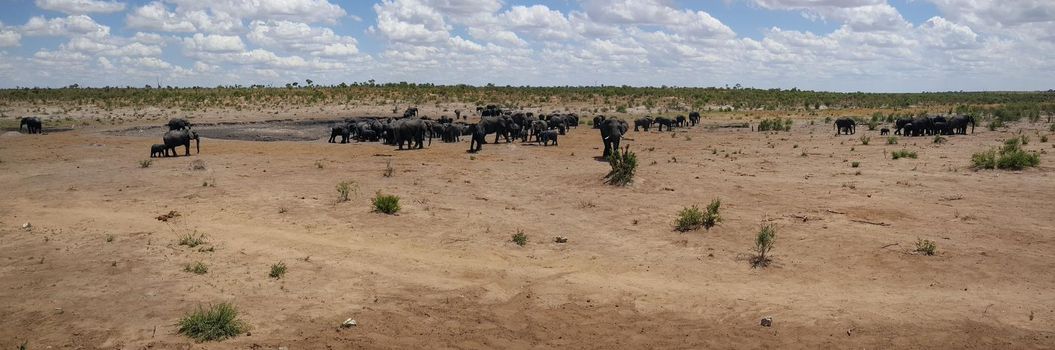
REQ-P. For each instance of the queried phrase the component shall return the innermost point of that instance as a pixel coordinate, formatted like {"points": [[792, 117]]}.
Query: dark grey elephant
{"points": [[612, 131], [558, 122], [178, 124], [412, 132], [342, 130], [597, 121], [845, 125], [546, 136], [643, 123], [33, 125], [175, 138], [664, 121], [694, 118], [680, 121], [497, 125], [958, 124], [899, 125], [479, 136], [157, 150]]}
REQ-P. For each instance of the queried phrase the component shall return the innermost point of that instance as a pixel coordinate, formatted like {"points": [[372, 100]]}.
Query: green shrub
{"points": [[689, 219], [892, 140], [344, 188], [218, 322], [926, 246], [764, 242], [277, 270], [624, 165], [192, 239], [775, 124], [904, 154], [1043, 138], [865, 140], [855, 164], [938, 139], [1010, 157], [872, 124], [388, 204], [197, 268], [145, 163], [520, 238], [712, 217]]}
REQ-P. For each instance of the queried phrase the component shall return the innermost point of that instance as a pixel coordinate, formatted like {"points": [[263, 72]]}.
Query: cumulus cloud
{"points": [[64, 26], [214, 43], [10, 38], [75, 7]]}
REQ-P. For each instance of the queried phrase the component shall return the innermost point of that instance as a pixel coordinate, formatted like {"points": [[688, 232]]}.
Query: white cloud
{"points": [[409, 21], [300, 38], [79, 7], [64, 26], [10, 38], [213, 43]]}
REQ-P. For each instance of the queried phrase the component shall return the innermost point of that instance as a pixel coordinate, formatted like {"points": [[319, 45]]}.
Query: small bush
{"points": [[764, 242], [218, 322], [994, 124], [145, 163], [197, 164], [388, 170], [277, 270], [775, 124], [520, 238], [197, 268], [865, 140], [938, 139], [623, 165], [903, 154], [711, 217], [855, 164], [926, 246], [689, 219], [873, 124], [1043, 138], [192, 239], [1010, 157], [318, 164], [388, 204], [343, 189], [109, 238], [892, 140]]}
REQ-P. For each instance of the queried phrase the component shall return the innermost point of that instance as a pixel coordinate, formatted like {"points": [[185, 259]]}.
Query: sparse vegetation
{"points": [[865, 140], [938, 139], [192, 239], [1043, 138], [891, 140], [278, 270], [344, 188], [775, 124], [926, 246], [388, 204], [145, 163], [197, 164], [520, 238], [217, 322], [692, 218], [1010, 156], [198, 268], [904, 153], [389, 170], [855, 164], [624, 165], [764, 242]]}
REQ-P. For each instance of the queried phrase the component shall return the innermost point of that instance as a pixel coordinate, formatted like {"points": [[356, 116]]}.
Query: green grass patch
{"points": [[388, 204], [217, 322], [277, 270], [903, 154]]}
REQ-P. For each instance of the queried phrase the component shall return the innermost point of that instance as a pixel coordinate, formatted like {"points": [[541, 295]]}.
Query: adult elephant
{"points": [[175, 138], [922, 126], [178, 124], [612, 131], [33, 125], [958, 124], [495, 125], [559, 122], [694, 118], [410, 112], [597, 121], [680, 121], [847, 125], [643, 123], [664, 121], [342, 130], [572, 121], [412, 132], [899, 125], [939, 125], [538, 127]]}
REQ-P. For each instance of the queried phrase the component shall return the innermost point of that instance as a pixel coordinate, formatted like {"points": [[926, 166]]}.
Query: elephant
{"points": [[572, 121], [497, 125], [157, 150], [178, 124], [694, 118], [412, 132], [939, 125], [33, 125], [612, 131], [457, 114], [680, 121], [410, 112], [368, 135], [489, 111], [664, 121], [538, 127], [558, 122], [958, 124], [644, 123], [479, 136], [922, 126], [342, 130], [845, 125], [451, 133], [546, 136], [174, 138], [899, 125], [884, 131]]}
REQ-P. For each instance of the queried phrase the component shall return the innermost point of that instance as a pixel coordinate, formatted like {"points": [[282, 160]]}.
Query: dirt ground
{"points": [[98, 270]]}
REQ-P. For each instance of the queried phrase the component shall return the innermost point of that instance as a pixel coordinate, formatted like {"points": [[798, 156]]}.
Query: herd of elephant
{"points": [[411, 131], [918, 126]]}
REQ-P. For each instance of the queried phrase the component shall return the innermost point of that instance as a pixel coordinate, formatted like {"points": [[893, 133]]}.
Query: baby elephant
{"points": [[158, 150], [884, 131], [546, 136]]}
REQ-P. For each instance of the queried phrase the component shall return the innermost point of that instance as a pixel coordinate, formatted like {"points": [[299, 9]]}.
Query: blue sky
{"points": [[842, 45]]}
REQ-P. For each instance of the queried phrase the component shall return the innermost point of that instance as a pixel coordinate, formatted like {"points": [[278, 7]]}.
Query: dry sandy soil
{"points": [[444, 273]]}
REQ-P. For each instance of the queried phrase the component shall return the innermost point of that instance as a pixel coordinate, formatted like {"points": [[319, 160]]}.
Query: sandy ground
{"points": [[444, 273]]}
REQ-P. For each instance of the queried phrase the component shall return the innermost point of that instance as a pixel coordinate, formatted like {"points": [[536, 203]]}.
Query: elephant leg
{"points": [[187, 149]]}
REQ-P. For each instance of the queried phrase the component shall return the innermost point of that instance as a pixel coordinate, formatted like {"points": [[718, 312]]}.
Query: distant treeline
{"points": [[616, 98]]}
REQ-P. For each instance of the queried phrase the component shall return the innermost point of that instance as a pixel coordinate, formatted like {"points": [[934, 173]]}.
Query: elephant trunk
{"points": [[197, 144]]}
